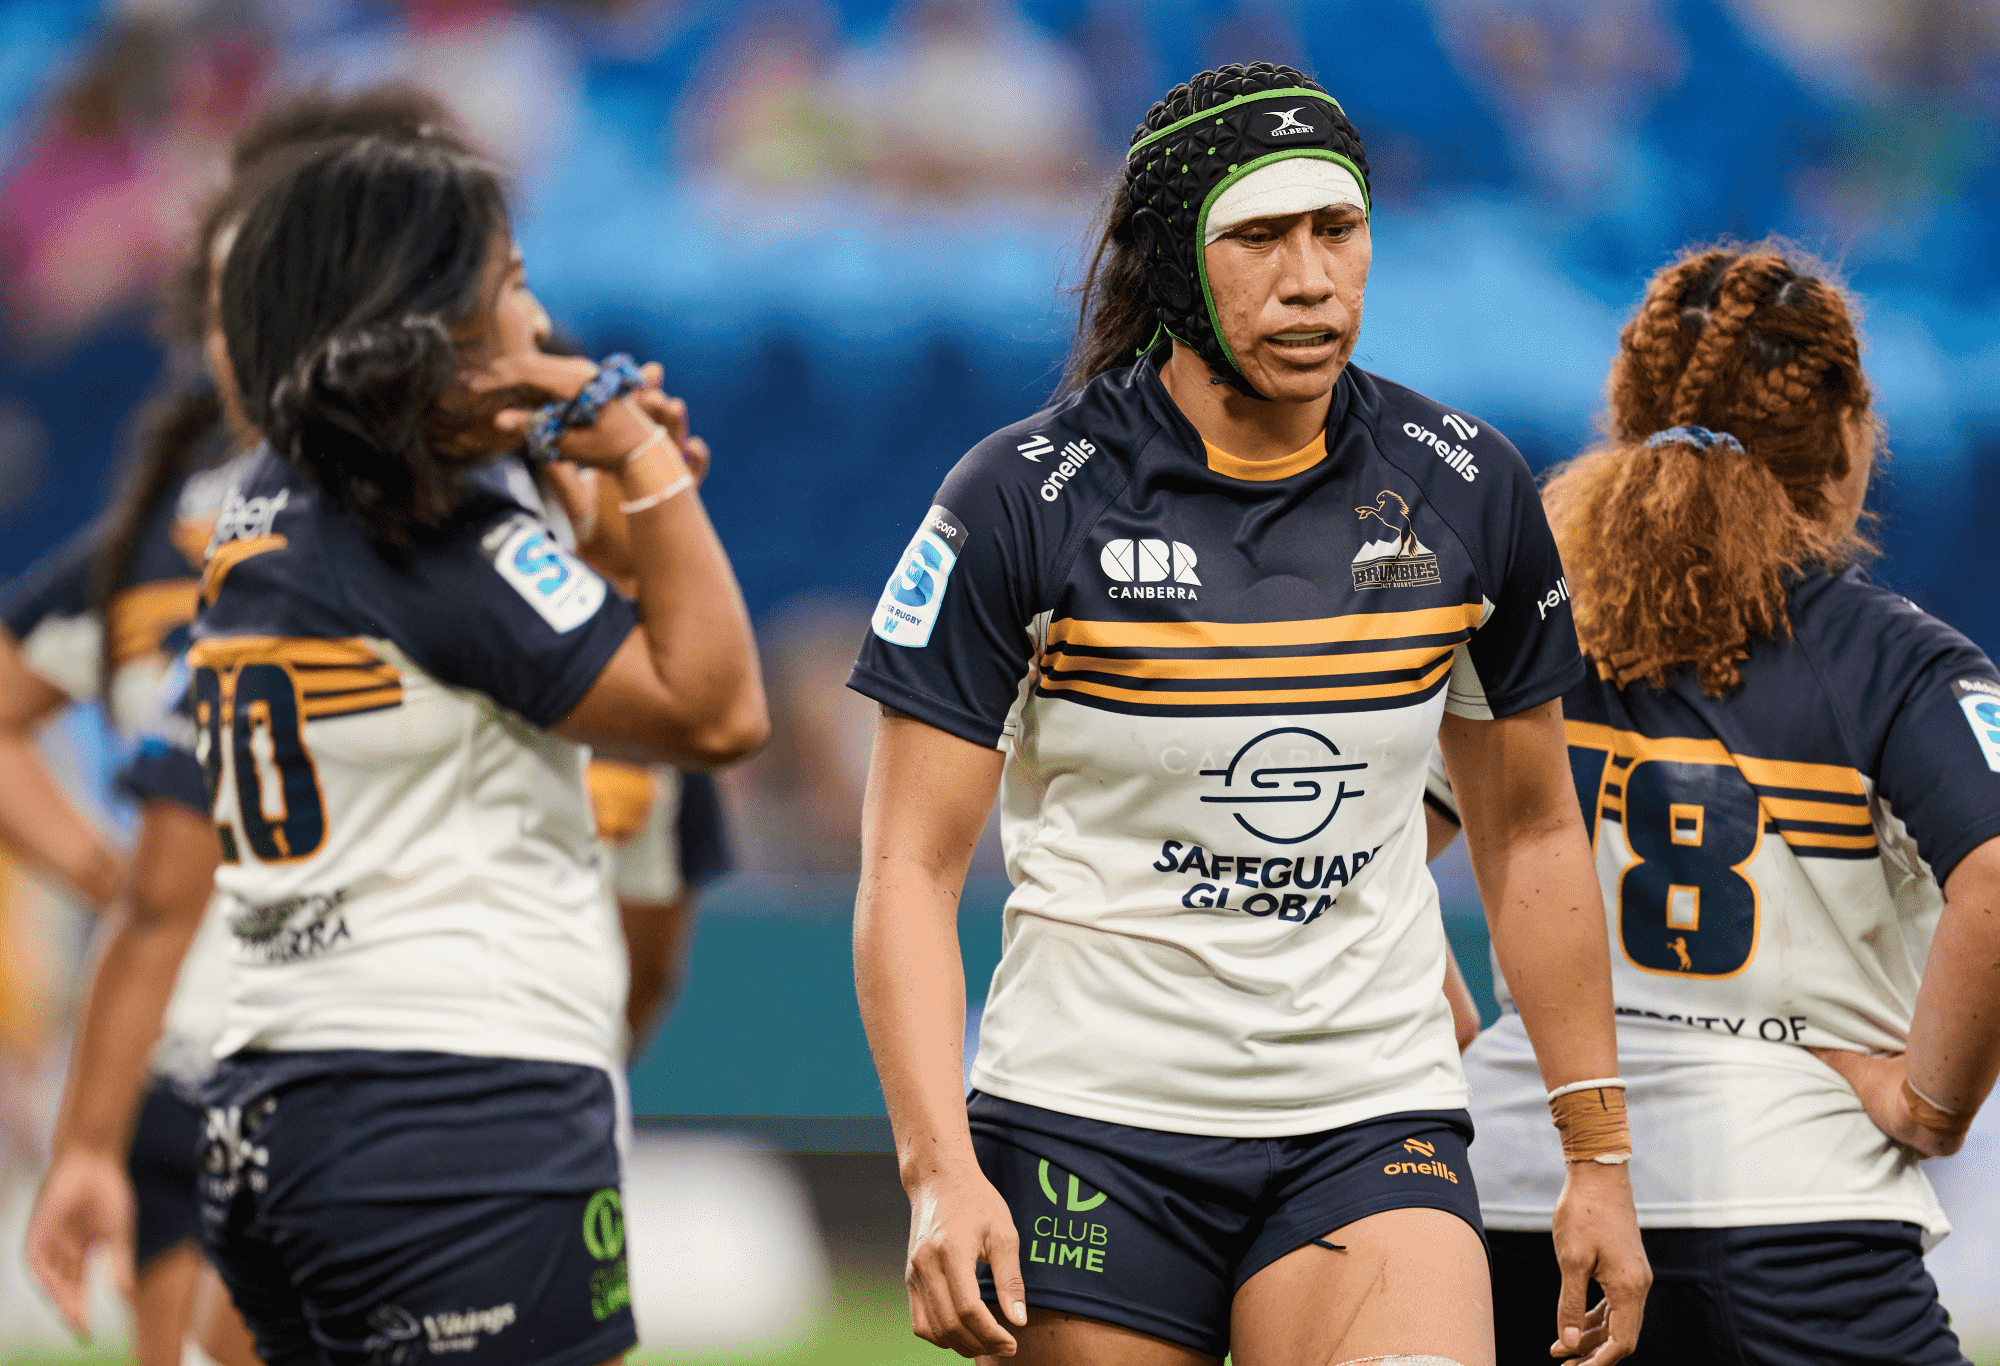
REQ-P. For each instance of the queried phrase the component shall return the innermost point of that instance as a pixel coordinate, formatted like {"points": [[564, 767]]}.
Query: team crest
{"points": [[1395, 558]]}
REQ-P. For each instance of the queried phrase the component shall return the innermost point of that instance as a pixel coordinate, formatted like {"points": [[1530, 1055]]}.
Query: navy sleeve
{"points": [[163, 766], [57, 585], [163, 771], [494, 605], [701, 832], [1525, 652], [951, 635], [1926, 706]]}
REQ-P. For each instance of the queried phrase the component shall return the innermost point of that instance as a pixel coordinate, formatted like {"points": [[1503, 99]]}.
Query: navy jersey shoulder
{"points": [[992, 552], [1866, 685], [58, 584], [489, 601], [1478, 485], [1917, 704]]}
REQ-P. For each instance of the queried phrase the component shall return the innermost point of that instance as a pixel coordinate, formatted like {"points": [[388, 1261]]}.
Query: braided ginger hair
{"points": [[1677, 556]]}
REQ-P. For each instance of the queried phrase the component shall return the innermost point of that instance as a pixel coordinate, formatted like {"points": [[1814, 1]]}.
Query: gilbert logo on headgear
{"points": [[1289, 125]]}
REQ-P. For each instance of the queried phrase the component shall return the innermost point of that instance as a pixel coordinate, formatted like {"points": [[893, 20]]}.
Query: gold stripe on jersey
{"points": [[1812, 807], [1172, 666], [142, 617], [1279, 666], [335, 677], [1250, 697], [230, 554], [1212, 635]]}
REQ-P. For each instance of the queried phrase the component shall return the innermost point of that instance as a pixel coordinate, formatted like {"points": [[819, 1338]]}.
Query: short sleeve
{"points": [[951, 640], [1524, 652], [161, 770], [495, 605], [48, 611], [163, 766], [1937, 759]]}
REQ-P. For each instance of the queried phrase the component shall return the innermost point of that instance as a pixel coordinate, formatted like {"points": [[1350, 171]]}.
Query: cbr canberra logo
{"points": [[1280, 781], [1149, 562]]}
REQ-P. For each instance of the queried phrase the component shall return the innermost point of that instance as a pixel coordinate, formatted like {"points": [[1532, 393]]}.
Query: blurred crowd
{"points": [[845, 226]]}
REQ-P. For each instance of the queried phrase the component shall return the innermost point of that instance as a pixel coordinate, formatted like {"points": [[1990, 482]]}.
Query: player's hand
{"points": [[672, 413], [956, 1221], [1878, 1079], [85, 1202], [1596, 1234], [508, 390]]}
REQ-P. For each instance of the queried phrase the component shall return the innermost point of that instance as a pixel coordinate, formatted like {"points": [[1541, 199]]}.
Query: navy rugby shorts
{"points": [[1157, 1231], [162, 1166], [1851, 1293], [388, 1209]]}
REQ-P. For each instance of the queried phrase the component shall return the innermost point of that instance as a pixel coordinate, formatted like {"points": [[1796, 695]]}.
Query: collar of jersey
{"points": [[1168, 414], [1261, 471]]}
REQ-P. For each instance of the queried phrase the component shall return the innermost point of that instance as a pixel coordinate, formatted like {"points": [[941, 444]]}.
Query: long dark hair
{"points": [[339, 300], [1115, 319], [181, 431]]}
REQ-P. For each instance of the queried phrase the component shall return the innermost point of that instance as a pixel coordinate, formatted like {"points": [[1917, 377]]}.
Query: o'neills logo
{"points": [[1433, 1167], [1397, 559]]}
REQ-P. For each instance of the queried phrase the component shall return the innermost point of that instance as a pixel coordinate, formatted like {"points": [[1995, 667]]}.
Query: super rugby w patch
{"points": [[909, 604], [1979, 699]]}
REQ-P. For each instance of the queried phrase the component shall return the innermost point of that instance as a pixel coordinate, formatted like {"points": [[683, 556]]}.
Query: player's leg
{"points": [[1054, 1338], [217, 1329], [166, 1252], [1405, 1282], [1128, 1237], [162, 1290], [1372, 1248]]}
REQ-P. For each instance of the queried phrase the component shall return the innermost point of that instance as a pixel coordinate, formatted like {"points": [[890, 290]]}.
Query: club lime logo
{"points": [[1077, 1204], [604, 1225], [1060, 1241]]}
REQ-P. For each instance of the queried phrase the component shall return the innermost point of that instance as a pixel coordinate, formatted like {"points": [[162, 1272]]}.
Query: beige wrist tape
{"points": [[1935, 1118], [1590, 1116]]}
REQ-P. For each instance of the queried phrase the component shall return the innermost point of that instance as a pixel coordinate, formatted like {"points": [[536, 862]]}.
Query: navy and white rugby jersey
{"points": [[410, 859], [1217, 684], [49, 609], [1771, 864]]}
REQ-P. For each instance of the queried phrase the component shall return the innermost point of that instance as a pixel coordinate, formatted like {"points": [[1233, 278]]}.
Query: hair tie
{"points": [[1701, 438], [616, 376]]}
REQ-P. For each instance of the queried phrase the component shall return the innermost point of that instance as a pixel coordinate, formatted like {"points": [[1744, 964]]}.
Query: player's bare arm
{"points": [[927, 800], [1532, 859]]}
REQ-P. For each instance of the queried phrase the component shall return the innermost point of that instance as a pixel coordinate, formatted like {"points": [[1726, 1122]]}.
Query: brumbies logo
{"points": [[1396, 559], [1276, 777]]}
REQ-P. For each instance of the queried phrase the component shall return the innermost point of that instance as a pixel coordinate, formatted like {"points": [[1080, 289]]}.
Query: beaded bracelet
{"points": [[616, 376]]}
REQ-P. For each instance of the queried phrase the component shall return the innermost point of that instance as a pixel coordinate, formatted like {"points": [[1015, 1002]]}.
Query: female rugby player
{"points": [[1792, 779], [1199, 624], [395, 672], [104, 615]]}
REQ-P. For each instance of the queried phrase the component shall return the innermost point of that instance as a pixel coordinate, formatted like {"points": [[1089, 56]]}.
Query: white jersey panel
{"points": [[455, 903]]}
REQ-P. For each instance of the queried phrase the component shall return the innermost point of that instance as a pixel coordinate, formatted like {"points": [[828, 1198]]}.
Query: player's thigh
{"points": [[217, 1329], [1055, 1338], [1405, 1282], [161, 1293]]}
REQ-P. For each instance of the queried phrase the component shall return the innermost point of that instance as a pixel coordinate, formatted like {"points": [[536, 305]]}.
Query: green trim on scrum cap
{"points": [[1287, 92], [1201, 227]]}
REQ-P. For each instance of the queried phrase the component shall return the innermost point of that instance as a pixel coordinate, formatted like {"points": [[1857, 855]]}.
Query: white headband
{"points": [[1298, 184]]}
